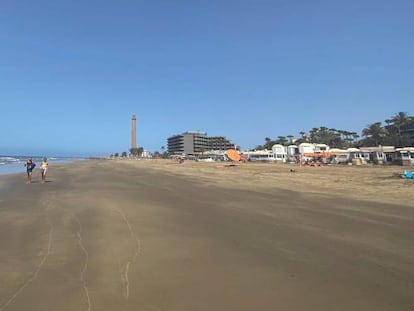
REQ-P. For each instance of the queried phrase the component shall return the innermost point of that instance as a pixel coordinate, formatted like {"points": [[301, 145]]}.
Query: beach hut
{"points": [[292, 150], [279, 153], [292, 153], [306, 148], [347, 156], [321, 148], [333, 154], [314, 151], [260, 155], [356, 156], [405, 156], [379, 154]]}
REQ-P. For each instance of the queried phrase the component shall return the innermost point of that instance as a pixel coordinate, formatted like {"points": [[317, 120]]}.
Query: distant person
{"points": [[30, 165], [43, 169]]}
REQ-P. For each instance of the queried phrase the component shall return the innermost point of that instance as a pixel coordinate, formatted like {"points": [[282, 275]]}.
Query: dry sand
{"points": [[158, 235]]}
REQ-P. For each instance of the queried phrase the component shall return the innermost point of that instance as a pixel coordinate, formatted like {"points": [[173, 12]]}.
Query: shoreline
{"points": [[18, 167]]}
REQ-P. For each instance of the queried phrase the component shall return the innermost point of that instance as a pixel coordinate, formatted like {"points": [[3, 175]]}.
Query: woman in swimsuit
{"points": [[43, 169]]}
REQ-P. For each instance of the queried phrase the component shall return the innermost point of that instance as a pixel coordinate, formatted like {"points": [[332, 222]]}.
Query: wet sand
{"points": [[158, 235]]}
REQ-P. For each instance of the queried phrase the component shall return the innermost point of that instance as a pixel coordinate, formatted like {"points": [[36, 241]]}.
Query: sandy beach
{"points": [[157, 235]]}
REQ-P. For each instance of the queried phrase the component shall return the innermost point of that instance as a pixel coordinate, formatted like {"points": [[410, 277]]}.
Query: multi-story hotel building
{"points": [[195, 143]]}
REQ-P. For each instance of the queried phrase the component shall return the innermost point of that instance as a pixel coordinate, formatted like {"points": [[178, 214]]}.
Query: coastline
{"points": [[158, 235], [18, 166]]}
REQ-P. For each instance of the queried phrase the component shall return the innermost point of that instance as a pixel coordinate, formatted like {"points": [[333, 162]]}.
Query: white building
{"points": [[405, 155], [259, 155], [279, 153], [320, 148], [306, 148]]}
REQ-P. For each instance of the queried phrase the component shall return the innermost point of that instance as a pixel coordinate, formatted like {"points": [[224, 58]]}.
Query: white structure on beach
{"points": [[292, 150], [279, 153], [406, 155], [322, 152], [306, 148], [321, 148], [259, 155]]}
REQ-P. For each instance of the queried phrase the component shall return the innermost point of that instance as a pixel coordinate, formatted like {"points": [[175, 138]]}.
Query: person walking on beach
{"points": [[43, 169], [30, 165]]}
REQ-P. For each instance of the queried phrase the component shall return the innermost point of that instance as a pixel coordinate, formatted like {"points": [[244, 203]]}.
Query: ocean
{"points": [[15, 164]]}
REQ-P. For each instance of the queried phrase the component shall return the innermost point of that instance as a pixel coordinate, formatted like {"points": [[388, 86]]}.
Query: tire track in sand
{"points": [[125, 277], [85, 264], [84, 267]]}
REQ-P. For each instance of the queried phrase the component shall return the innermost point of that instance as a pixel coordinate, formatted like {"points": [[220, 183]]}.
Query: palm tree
{"points": [[134, 151], [313, 135], [268, 143], [374, 133], [302, 138], [355, 137], [399, 122], [281, 140], [140, 151]]}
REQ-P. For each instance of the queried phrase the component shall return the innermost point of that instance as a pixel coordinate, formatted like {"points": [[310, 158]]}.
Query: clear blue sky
{"points": [[72, 73]]}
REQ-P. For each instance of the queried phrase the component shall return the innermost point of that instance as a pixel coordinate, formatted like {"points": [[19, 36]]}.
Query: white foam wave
{"points": [[9, 159]]}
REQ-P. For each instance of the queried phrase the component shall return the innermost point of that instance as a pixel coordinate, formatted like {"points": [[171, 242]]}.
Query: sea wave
{"points": [[7, 160], [15, 164]]}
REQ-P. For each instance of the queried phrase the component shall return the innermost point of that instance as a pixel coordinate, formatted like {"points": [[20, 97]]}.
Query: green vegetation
{"points": [[136, 152], [373, 135]]}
